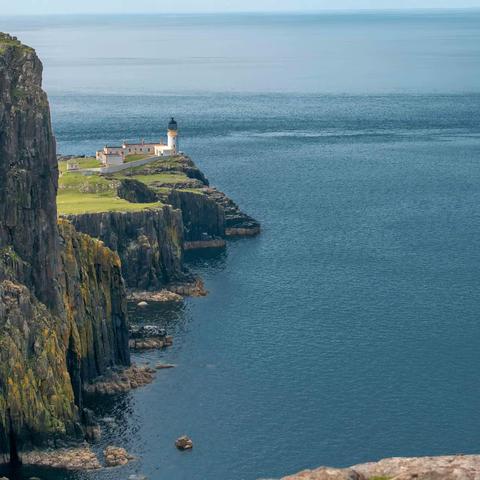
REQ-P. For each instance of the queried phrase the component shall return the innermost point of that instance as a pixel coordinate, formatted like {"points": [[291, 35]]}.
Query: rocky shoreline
{"points": [[450, 467], [81, 458]]}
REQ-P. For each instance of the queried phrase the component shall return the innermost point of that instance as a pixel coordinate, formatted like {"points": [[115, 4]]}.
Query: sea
{"points": [[349, 330]]}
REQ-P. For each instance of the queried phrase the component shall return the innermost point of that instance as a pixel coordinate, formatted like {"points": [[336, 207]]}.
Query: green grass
{"points": [[133, 158], [88, 162], [95, 193], [73, 203], [157, 178], [79, 193], [7, 41], [153, 176]]}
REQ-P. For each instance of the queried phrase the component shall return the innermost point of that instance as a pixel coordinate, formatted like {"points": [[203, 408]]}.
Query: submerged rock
{"points": [[163, 366], [147, 331]]}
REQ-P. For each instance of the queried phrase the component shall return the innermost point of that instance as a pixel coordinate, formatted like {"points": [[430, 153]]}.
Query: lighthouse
{"points": [[173, 136]]}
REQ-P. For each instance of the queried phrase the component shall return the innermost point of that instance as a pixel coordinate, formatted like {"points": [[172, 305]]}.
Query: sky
{"points": [[22, 7]]}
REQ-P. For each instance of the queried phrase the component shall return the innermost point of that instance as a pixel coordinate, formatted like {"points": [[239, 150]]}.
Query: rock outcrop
{"points": [[453, 467], [203, 218], [135, 192], [62, 299], [237, 223], [149, 243]]}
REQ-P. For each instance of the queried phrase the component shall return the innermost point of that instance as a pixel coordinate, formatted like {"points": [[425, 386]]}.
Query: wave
{"points": [[334, 133]]}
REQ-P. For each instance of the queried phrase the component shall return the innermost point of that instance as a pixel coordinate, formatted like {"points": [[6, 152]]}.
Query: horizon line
{"points": [[255, 12]]}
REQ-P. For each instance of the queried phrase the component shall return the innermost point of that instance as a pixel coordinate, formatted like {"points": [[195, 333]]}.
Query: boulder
{"points": [[184, 443], [116, 456]]}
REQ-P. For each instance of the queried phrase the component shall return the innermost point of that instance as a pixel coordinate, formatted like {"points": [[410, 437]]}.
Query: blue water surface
{"points": [[349, 330]]}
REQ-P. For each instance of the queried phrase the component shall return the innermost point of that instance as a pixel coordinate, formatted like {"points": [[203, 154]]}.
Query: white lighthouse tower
{"points": [[173, 136]]}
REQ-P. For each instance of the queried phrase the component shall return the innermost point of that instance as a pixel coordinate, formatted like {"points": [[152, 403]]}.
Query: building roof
{"points": [[172, 125], [142, 144]]}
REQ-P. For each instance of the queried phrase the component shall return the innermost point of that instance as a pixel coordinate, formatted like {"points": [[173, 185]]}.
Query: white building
{"points": [[116, 155], [72, 165], [111, 155], [172, 135]]}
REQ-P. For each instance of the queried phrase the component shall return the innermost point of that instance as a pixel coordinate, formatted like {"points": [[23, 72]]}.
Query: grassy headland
{"points": [[79, 192]]}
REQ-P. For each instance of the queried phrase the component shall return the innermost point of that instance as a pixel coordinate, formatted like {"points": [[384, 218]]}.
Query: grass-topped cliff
{"points": [[9, 42], [85, 192], [130, 211], [149, 214]]}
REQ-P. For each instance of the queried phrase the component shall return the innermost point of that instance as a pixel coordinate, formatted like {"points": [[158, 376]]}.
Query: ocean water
{"points": [[350, 329]]}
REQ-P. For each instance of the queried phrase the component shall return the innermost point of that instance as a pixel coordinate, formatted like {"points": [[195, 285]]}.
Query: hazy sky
{"points": [[129, 6]]}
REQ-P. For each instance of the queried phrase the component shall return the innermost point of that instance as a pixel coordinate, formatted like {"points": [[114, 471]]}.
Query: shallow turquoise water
{"points": [[349, 330]]}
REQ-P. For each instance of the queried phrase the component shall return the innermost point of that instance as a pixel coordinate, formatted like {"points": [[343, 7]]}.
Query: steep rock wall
{"points": [[203, 219], [36, 395], [149, 243], [62, 300], [28, 170], [96, 307]]}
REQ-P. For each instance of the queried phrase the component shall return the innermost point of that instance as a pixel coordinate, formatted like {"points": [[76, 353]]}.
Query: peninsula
{"points": [[64, 271]]}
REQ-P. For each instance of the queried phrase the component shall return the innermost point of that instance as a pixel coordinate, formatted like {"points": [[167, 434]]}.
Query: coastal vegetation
{"points": [[80, 193], [7, 41], [135, 157], [92, 192]]}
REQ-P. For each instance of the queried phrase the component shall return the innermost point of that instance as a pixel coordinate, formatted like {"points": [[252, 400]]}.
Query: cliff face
{"points": [[237, 223], [149, 243], [36, 396], [62, 301], [28, 170], [96, 307], [203, 219]]}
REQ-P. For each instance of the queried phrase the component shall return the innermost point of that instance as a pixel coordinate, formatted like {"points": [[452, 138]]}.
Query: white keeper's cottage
{"points": [[110, 156]]}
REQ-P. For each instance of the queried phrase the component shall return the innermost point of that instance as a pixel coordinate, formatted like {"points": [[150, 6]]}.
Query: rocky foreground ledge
{"points": [[454, 467]]}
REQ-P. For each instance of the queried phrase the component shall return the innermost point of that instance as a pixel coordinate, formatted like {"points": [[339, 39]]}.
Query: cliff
{"points": [[28, 171], [95, 307], [203, 219], [149, 243], [150, 214], [62, 300]]}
